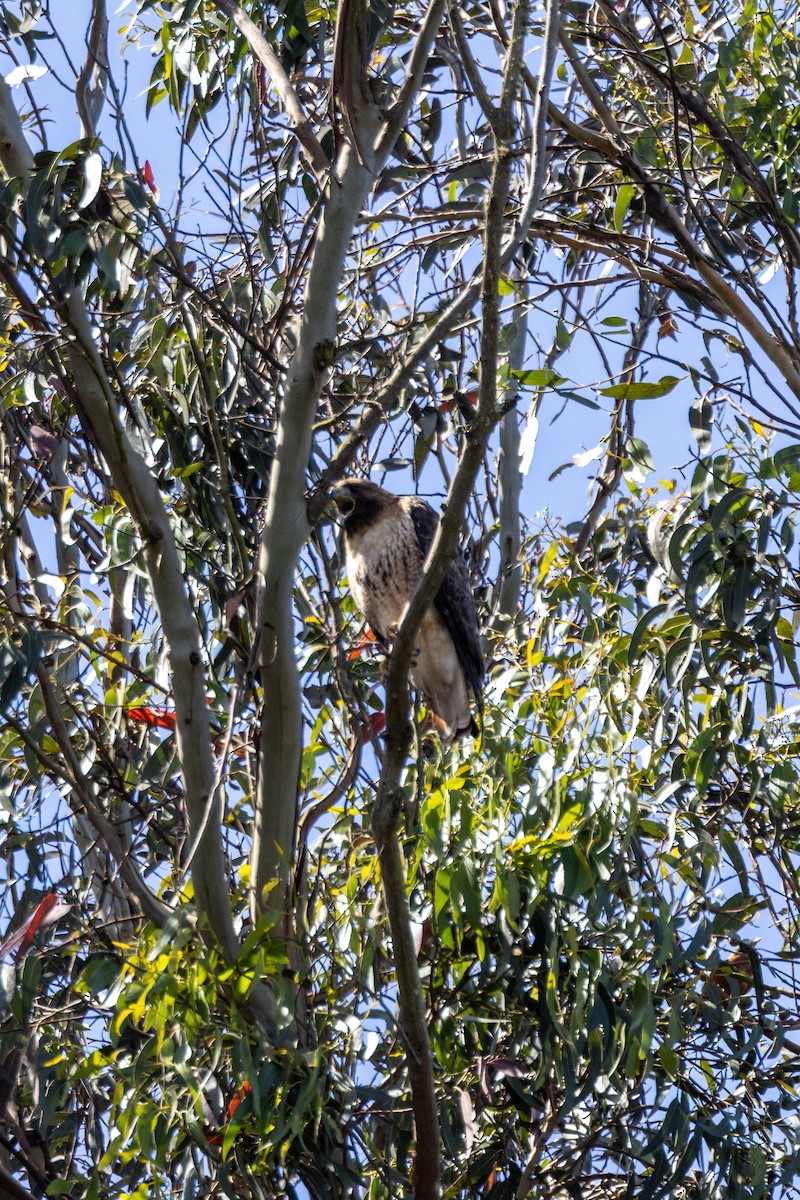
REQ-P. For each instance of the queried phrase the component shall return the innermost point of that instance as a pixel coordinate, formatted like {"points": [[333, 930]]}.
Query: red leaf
{"points": [[426, 935], [149, 177], [461, 399], [47, 912], [668, 327], [261, 84], [217, 1138], [366, 640], [237, 1099], [150, 716], [378, 722], [36, 922]]}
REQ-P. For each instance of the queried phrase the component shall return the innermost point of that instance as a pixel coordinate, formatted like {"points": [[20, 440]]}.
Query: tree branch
{"points": [[287, 528], [318, 159], [726, 300], [695, 104], [388, 395], [389, 799], [621, 423], [287, 522], [10, 1189], [510, 486], [140, 491], [395, 118], [538, 159], [90, 86], [471, 68]]}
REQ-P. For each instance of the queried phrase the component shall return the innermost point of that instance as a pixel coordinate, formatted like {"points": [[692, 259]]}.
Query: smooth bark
{"points": [[287, 524], [139, 489]]}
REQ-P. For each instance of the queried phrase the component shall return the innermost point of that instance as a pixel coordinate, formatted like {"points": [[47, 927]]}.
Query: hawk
{"points": [[386, 541]]}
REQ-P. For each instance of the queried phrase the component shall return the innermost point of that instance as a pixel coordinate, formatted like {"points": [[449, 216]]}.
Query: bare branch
{"points": [[376, 410], [510, 487], [395, 118], [538, 159], [725, 299], [10, 1189], [471, 68]]}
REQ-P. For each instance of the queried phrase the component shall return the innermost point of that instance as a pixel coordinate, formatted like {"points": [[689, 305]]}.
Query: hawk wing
{"points": [[454, 601]]}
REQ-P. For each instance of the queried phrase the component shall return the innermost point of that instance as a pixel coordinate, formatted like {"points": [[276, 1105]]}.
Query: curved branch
{"points": [[696, 105], [318, 159], [389, 799], [139, 489], [471, 68], [395, 118], [286, 530], [726, 300]]}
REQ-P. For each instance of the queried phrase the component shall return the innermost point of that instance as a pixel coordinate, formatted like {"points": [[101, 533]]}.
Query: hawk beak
{"points": [[343, 500]]}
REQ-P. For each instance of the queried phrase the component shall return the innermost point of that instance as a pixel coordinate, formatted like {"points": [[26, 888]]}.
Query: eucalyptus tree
{"points": [[263, 939]]}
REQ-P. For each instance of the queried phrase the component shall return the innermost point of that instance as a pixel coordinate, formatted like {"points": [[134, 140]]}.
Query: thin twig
{"points": [[154, 910], [269, 60]]}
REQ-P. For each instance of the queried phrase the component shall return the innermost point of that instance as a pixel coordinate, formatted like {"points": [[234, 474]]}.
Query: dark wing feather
{"points": [[454, 601]]}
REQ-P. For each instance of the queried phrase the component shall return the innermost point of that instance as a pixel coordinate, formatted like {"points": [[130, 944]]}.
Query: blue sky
{"points": [[562, 435]]}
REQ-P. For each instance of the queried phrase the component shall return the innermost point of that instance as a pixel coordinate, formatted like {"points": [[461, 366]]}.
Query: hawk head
{"points": [[360, 502]]}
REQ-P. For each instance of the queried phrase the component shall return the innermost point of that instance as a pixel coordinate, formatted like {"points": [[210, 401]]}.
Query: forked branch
{"points": [[388, 803]]}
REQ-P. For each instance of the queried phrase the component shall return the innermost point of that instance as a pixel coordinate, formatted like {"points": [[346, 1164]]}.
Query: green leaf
{"points": [[701, 415], [92, 177], [737, 595], [623, 203], [641, 391], [787, 460], [669, 1061], [639, 454], [538, 379]]}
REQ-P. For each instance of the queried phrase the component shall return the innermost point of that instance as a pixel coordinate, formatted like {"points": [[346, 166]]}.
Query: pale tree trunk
{"points": [[286, 531], [369, 138], [136, 484]]}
